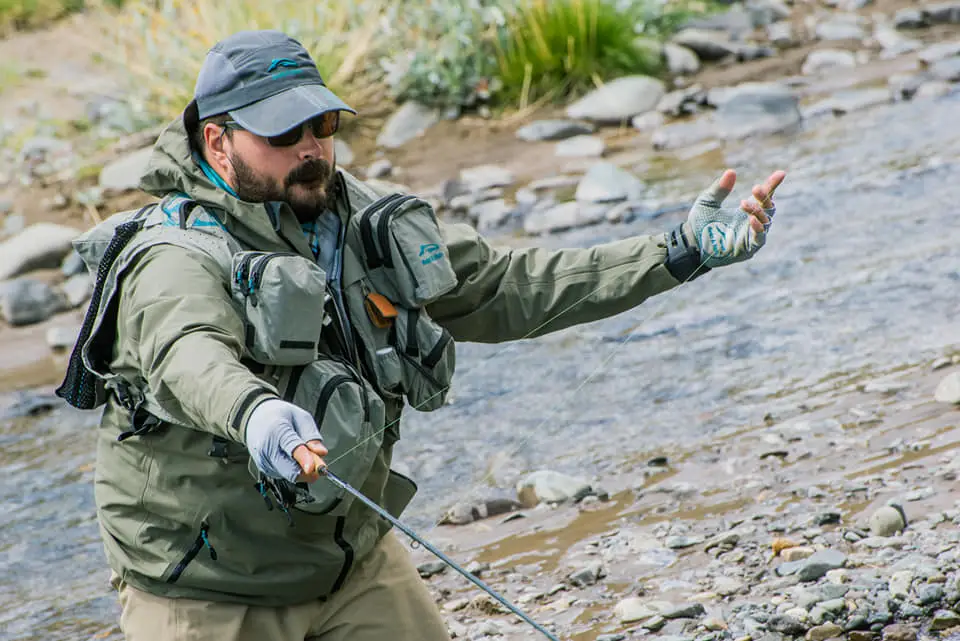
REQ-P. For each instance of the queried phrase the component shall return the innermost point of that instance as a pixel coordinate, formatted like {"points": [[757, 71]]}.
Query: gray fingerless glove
{"points": [[276, 428], [723, 234]]}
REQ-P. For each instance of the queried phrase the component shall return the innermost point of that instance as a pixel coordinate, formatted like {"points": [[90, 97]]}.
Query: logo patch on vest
{"points": [[429, 253]]}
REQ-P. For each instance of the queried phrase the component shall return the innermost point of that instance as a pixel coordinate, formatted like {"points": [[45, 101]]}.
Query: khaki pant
{"points": [[384, 599]]}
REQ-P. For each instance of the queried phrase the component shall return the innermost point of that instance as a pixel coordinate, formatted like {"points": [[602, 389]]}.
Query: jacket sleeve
{"points": [[507, 295], [176, 319]]}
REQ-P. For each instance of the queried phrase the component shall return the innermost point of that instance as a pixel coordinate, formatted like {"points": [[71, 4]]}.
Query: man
{"points": [[179, 333]]}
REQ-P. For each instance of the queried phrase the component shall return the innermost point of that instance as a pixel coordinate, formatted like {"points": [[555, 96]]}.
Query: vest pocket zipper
{"points": [[366, 230], [198, 544], [249, 274]]}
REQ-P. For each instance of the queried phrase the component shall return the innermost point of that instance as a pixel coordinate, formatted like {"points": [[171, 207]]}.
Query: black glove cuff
{"points": [[683, 260]]}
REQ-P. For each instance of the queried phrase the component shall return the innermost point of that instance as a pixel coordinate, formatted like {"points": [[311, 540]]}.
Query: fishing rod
{"points": [[333, 478]]}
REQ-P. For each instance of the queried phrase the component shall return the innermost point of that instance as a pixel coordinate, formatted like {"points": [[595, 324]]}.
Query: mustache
{"points": [[310, 171]]}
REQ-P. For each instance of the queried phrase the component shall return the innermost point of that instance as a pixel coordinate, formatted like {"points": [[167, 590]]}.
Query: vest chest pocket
{"points": [[399, 242], [350, 416], [282, 296]]}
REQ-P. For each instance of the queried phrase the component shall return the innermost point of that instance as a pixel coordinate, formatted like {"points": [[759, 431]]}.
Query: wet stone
{"points": [[944, 619], [785, 624], [899, 632], [929, 594], [431, 568], [819, 564]]}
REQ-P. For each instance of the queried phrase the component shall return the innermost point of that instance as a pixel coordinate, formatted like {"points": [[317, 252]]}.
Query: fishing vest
{"points": [[394, 262]]}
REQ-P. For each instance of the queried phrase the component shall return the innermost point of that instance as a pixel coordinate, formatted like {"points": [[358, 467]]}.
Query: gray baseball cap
{"points": [[265, 80]]}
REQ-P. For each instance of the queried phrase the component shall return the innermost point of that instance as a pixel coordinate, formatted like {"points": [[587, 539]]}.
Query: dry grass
{"points": [[161, 48]]}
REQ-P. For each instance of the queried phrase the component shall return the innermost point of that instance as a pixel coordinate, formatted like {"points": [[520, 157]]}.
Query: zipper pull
{"points": [[204, 528]]}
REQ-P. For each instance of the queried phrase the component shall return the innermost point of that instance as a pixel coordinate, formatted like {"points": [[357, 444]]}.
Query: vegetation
{"points": [[27, 14], [558, 48], [455, 55]]}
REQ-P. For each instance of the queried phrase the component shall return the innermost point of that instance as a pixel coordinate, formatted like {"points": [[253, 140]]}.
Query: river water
{"points": [[858, 279]]}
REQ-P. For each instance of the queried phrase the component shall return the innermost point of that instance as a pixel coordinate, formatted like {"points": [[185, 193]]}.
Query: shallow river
{"points": [[859, 278]]}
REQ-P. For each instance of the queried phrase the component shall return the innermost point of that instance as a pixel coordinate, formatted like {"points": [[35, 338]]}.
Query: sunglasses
{"points": [[322, 126]]}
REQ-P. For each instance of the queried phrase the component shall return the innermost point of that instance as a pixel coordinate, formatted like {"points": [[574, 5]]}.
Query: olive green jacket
{"points": [[179, 512]]}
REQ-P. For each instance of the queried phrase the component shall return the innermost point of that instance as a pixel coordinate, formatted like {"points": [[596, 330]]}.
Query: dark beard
{"points": [[315, 178]]}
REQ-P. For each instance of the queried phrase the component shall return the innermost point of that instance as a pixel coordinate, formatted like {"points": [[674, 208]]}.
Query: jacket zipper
{"points": [[383, 230], [343, 315], [201, 540]]}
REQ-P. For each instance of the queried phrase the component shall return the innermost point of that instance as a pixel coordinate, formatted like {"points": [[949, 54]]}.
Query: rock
{"points": [[735, 22], [483, 177], [580, 147], [605, 182], [787, 625], [707, 44], [797, 553], [547, 486], [682, 101], [819, 564], [920, 494], [612, 637], [681, 542], [947, 69], [411, 120], [468, 512], [781, 34], [939, 51], [42, 245], [379, 168], [893, 43], [25, 301], [685, 611], [822, 61], [944, 619], [72, 265], [887, 521], [824, 632], [680, 60], [14, 224], [757, 108], [648, 121], [861, 635], [908, 18], [765, 12], [491, 214], [588, 575], [343, 153], [124, 173], [553, 130], [844, 102], [840, 28], [899, 584], [929, 594], [942, 12], [899, 632], [431, 568], [77, 289], [30, 404], [569, 215], [933, 90], [682, 134], [727, 586], [634, 609], [948, 390], [618, 100], [62, 337]]}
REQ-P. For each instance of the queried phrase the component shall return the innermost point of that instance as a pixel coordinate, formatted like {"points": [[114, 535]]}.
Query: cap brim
{"points": [[282, 112]]}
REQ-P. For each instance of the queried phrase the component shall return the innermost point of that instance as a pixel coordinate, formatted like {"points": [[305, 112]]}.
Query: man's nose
{"points": [[310, 146]]}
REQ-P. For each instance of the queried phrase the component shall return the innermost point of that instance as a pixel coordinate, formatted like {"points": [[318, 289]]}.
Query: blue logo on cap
{"points": [[282, 62]]}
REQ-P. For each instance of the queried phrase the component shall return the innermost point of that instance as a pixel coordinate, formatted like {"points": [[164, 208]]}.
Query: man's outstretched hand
{"points": [[727, 235]]}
